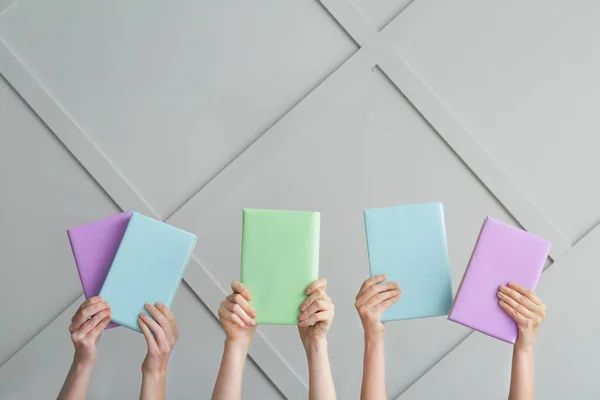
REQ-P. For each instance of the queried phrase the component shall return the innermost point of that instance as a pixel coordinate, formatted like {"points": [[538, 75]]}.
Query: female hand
{"points": [[373, 298], [161, 334], [317, 313], [87, 326], [526, 309], [237, 315]]}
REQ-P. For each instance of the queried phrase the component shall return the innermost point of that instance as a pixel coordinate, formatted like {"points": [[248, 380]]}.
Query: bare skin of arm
{"points": [[373, 298], [237, 318], [528, 311], [161, 334], [315, 319], [86, 327]]}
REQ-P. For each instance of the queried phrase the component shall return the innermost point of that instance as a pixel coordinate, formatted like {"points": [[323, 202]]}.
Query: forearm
{"points": [[319, 372], [521, 380], [373, 382], [229, 380], [154, 385], [77, 381]]}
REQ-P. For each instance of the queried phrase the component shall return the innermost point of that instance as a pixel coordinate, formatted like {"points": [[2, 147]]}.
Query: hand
{"points": [[526, 309], [161, 334], [87, 325], [373, 298], [237, 315], [317, 313]]}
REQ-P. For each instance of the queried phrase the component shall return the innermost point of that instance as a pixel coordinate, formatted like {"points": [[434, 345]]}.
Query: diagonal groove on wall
{"points": [[491, 174], [377, 49], [126, 197], [475, 157]]}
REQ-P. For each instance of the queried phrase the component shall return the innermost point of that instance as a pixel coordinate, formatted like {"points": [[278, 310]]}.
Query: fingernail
{"points": [[252, 323], [142, 315], [159, 304], [107, 304], [301, 316], [511, 284], [302, 307]]}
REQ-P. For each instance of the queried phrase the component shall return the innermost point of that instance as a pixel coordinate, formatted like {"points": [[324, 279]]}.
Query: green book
{"points": [[280, 258]]}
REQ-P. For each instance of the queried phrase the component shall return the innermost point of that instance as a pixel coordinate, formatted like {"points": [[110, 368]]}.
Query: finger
{"points": [[166, 311], [384, 305], [320, 283], [91, 324], [520, 308], [317, 306], [97, 331], [518, 297], [382, 296], [90, 301], [530, 294], [159, 333], [239, 311], [158, 316], [320, 316], [374, 290], [85, 313], [238, 287], [231, 316], [370, 282], [514, 314], [316, 295], [239, 299], [150, 340]]}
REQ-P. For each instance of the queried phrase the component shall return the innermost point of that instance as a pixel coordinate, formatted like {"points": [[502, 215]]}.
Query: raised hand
{"points": [[526, 309], [373, 298], [315, 319], [87, 325], [237, 315], [237, 318], [161, 334], [317, 313]]}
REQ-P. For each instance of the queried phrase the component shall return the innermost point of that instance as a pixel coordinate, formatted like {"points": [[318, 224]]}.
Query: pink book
{"points": [[502, 254], [94, 246]]}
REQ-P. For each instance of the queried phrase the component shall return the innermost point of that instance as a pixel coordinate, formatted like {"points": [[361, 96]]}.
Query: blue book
{"points": [[408, 244], [147, 268]]}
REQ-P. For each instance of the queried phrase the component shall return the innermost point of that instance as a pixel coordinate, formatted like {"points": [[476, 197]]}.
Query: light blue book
{"points": [[147, 268], [408, 244]]}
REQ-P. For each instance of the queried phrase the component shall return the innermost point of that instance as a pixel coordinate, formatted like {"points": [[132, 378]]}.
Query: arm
{"points": [[528, 311], [236, 316], [373, 298], [87, 325], [316, 317], [161, 334]]}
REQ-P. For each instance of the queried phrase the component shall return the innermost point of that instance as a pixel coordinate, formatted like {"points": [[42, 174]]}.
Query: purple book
{"points": [[502, 254], [94, 246]]}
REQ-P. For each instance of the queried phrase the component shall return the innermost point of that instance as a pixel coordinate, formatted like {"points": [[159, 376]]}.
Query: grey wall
{"points": [[190, 111]]}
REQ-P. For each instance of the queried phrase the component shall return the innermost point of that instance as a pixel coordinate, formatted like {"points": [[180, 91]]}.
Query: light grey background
{"points": [[488, 107]]}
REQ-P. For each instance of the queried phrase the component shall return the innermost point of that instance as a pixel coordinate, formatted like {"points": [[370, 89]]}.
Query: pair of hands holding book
{"points": [[520, 303], [315, 319], [94, 315]]}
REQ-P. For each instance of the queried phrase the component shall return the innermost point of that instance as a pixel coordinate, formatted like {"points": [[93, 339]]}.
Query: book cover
{"points": [[94, 246], [408, 244], [280, 258], [502, 254], [147, 268]]}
